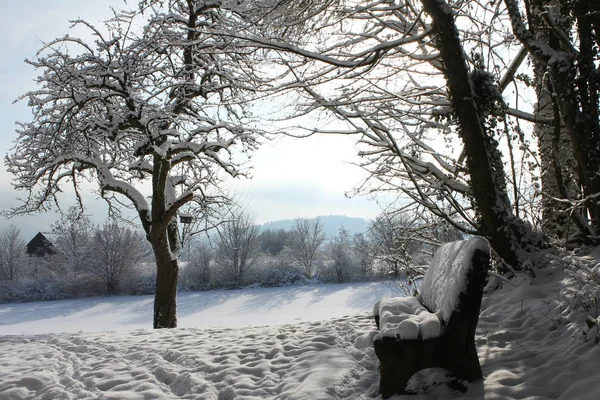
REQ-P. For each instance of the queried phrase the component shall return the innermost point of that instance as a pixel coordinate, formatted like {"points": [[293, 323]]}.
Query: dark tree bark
{"points": [[558, 165], [167, 272], [576, 82], [164, 238], [487, 180], [587, 122]]}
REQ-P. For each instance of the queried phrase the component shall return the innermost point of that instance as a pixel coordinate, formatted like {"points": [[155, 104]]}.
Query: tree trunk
{"points": [[164, 238], [487, 180], [556, 147], [578, 101], [167, 272], [558, 169], [574, 78]]}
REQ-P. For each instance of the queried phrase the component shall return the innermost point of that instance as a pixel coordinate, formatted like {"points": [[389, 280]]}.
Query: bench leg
{"points": [[460, 353], [470, 369], [393, 380], [399, 360]]}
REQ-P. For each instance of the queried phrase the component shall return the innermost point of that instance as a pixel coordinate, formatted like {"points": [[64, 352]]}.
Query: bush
{"points": [[142, 280], [276, 271], [28, 290]]}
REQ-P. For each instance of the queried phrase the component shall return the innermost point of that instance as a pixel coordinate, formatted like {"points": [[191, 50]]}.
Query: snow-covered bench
{"points": [[436, 329]]}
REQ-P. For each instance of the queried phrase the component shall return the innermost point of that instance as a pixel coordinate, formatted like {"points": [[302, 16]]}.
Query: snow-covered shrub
{"points": [[332, 271], [50, 286], [276, 271], [285, 277], [144, 284], [581, 292], [196, 271], [82, 285], [28, 290], [142, 280]]}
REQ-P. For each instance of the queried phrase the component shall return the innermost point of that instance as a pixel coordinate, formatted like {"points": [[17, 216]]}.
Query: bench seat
{"points": [[436, 329], [405, 318]]}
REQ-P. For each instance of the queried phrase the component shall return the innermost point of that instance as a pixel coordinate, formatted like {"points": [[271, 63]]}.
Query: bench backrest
{"points": [[447, 276]]}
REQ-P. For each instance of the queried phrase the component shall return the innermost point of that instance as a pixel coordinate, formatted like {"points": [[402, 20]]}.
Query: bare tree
{"points": [[364, 256], [395, 240], [340, 248], [403, 76], [161, 104], [273, 241], [114, 252], [72, 234], [306, 238], [197, 270], [12, 253], [237, 247]]}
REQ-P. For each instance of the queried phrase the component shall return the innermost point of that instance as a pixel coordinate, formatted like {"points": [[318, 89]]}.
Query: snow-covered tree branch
{"points": [[155, 114], [412, 79]]}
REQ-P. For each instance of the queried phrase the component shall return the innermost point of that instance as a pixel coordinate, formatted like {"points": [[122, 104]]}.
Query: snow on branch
{"points": [[164, 104]]}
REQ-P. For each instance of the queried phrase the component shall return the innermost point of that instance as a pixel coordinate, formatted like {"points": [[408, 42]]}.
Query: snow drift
{"points": [[530, 346]]}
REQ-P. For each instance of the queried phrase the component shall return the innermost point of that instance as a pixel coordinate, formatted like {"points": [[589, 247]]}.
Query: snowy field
{"points": [[282, 343], [215, 308]]}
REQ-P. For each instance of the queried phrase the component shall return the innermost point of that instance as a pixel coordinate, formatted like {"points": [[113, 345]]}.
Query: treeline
{"points": [[111, 259], [88, 260], [241, 254]]}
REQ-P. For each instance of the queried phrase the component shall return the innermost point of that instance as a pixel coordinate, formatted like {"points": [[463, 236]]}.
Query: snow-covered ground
{"points": [[314, 343], [215, 308]]}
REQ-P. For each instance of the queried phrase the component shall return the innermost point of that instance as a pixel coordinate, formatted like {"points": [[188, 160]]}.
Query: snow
{"points": [[304, 361], [215, 308], [209, 357], [406, 318], [444, 281], [107, 180], [530, 346]]}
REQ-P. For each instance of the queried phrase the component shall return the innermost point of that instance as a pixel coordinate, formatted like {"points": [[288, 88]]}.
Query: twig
{"points": [[503, 278]]}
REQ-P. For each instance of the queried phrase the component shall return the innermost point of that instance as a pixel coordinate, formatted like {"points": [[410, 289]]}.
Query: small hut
{"points": [[41, 245]]}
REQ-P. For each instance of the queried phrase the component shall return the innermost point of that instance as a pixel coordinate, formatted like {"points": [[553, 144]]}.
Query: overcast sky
{"points": [[291, 177]]}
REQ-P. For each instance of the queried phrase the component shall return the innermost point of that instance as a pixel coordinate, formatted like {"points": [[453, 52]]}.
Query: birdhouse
{"points": [[186, 218]]}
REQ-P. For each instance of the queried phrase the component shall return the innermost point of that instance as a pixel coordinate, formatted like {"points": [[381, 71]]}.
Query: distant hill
{"points": [[331, 224]]}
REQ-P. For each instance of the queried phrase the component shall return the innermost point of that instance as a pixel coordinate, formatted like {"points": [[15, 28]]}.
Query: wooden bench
{"points": [[436, 329]]}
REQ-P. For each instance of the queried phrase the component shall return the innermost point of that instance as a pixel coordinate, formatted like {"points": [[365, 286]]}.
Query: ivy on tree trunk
{"points": [[487, 181]]}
